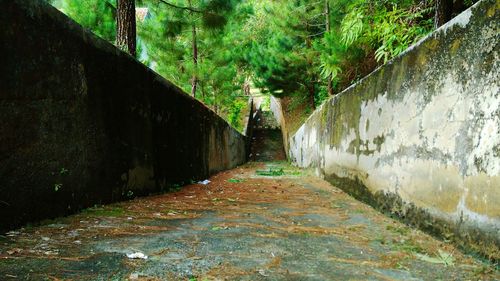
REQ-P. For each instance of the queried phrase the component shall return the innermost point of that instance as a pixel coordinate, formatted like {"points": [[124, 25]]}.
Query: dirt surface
{"points": [[241, 226]]}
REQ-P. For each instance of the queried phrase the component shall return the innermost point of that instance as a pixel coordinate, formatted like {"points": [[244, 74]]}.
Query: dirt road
{"points": [[262, 221]]}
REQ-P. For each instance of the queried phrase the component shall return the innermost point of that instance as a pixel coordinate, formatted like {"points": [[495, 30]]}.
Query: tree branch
{"points": [[107, 3], [181, 7], [313, 35]]}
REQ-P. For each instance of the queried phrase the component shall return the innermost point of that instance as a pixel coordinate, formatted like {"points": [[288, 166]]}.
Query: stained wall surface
{"points": [[420, 136], [82, 123]]}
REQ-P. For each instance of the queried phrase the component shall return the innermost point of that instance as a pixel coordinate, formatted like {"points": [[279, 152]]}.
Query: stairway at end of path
{"points": [[267, 139]]}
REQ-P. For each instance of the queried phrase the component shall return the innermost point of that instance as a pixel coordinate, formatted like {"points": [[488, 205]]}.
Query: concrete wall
{"points": [[277, 110], [83, 123], [420, 136], [248, 125]]}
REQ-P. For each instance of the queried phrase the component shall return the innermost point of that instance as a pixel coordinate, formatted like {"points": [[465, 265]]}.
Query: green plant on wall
{"points": [[388, 27], [57, 186]]}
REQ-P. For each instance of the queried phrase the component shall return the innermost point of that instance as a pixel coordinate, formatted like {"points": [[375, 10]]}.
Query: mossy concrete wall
{"points": [[420, 136], [248, 125], [277, 110], [83, 123]]}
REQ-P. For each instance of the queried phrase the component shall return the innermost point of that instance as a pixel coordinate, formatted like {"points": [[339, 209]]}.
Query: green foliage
{"points": [[282, 46], [442, 257], [96, 15], [332, 54], [272, 172], [232, 180], [104, 211], [281, 53], [57, 186], [168, 38], [266, 103], [389, 27], [352, 26], [234, 115]]}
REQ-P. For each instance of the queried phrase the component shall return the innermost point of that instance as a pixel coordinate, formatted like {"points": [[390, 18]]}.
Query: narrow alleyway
{"points": [[257, 222], [261, 221], [84, 122]]}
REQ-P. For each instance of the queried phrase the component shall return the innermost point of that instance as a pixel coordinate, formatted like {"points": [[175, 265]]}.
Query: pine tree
{"points": [[202, 14], [96, 15], [126, 26]]}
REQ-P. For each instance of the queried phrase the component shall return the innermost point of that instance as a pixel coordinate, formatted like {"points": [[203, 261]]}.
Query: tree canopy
{"points": [[217, 49]]}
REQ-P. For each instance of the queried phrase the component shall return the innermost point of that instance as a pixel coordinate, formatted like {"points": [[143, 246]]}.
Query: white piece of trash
{"points": [[137, 255], [205, 182]]}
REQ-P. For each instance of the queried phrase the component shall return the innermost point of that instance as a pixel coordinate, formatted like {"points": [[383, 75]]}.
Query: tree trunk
{"points": [[195, 62], [194, 80], [458, 7], [126, 26], [327, 24], [444, 11]]}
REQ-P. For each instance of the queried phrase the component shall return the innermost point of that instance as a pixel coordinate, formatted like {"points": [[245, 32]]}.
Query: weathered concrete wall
{"points": [[83, 123], [420, 136], [249, 122], [277, 110]]}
